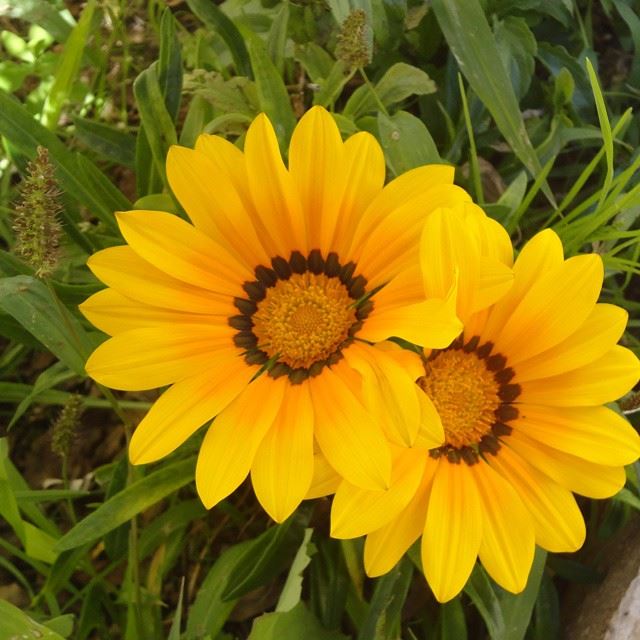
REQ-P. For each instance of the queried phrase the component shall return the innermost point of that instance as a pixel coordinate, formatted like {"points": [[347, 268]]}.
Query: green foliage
{"points": [[526, 99]]}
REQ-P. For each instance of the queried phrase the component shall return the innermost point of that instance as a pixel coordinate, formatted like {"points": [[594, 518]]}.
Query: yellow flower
{"points": [[520, 396], [248, 312]]}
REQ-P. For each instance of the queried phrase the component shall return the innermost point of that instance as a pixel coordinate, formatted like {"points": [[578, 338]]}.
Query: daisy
{"points": [[520, 394], [249, 309]]}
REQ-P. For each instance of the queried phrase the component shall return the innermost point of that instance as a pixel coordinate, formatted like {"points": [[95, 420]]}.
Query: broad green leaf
{"points": [[61, 624], [292, 590], [16, 624], [291, 625], [272, 92], [545, 624], [330, 88], [26, 134], [452, 624], [220, 23], [406, 141], [277, 38], [112, 144], [38, 544], [155, 118], [125, 505], [467, 32], [267, 555], [399, 82], [315, 60], [39, 12], [32, 304]]}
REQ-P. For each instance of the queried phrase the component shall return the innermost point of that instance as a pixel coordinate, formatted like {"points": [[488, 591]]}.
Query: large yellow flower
{"points": [[520, 395], [249, 311]]}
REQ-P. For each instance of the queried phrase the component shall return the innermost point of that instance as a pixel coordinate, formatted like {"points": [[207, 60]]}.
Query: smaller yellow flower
{"points": [[520, 396]]}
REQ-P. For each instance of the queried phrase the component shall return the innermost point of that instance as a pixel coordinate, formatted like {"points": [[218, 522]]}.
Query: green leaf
{"points": [[170, 64], [331, 87], [406, 141], [467, 32], [61, 624], [451, 622], [277, 38], [382, 621], [292, 590], [32, 304], [125, 505], [272, 92], [156, 120], [174, 632], [291, 625], [112, 144], [399, 82], [217, 21], [68, 67], [16, 624], [39, 12], [267, 555]]}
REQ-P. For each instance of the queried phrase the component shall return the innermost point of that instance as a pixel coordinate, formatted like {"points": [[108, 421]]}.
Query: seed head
{"points": [[65, 426], [353, 46]]}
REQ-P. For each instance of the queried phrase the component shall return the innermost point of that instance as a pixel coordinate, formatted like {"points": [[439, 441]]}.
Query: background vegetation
{"points": [[91, 547]]}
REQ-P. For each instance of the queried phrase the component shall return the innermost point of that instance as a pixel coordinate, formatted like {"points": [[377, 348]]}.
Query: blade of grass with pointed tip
{"points": [[469, 36]]}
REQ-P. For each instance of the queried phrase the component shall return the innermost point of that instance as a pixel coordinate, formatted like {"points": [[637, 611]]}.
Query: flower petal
{"points": [[317, 168], [452, 531], [508, 540], [114, 313], [174, 246], [556, 305], [604, 380], [229, 448], [283, 467], [597, 335], [557, 520], [156, 356], [276, 200], [325, 480], [574, 473], [187, 405], [348, 435], [203, 184], [597, 434], [127, 273], [356, 512], [384, 548]]}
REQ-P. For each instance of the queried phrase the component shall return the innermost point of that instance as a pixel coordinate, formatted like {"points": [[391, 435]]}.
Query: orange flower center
{"points": [[464, 392], [304, 319], [472, 390]]}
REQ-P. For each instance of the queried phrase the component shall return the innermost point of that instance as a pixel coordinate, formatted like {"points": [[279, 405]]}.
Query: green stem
{"points": [[376, 97]]}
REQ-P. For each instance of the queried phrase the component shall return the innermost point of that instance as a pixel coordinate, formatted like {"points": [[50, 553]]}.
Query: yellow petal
{"points": [[431, 433], [597, 434], [364, 170], [391, 245], [399, 192], [125, 272], [604, 380], [508, 539], [157, 356], [348, 435], [431, 323], [283, 467], [174, 246], [356, 512], [389, 391], [229, 448], [276, 200], [384, 548], [317, 168], [186, 406], [557, 520], [203, 185], [555, 306], [325, 480], [452, 531], [573, 473], [114, 313], [597, 335], [541, 254], [493, 239]]}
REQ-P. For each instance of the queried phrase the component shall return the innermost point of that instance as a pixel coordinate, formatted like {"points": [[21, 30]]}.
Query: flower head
{"points": [[262, 311], [520, 394]]}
